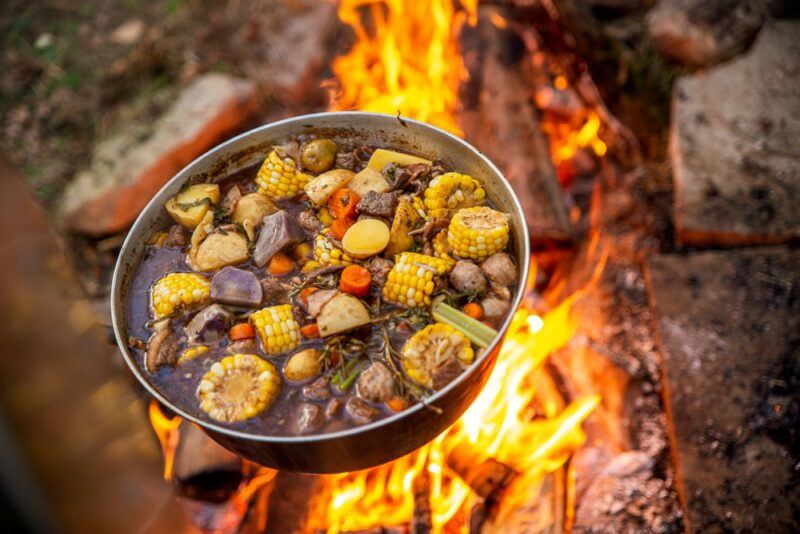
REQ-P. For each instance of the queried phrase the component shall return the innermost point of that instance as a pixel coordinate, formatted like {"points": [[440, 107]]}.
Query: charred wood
{"points": [[204, 470]]}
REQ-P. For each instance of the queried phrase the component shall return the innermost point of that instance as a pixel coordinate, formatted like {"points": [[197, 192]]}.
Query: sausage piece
{"points": [[468, 277], [376, 383], [500, 269]]}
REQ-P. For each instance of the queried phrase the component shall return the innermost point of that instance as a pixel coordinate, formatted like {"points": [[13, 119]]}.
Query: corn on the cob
{"points": [[442, 250], [276, 328], [419, 206], [430, 347], [279, 177], [238, 387], [451, 191], [176, 291], [192, 352], [477, 233], [326, 253], [413, 279]]}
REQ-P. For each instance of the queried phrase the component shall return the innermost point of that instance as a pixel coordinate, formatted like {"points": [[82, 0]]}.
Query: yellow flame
{"points": [[166, 430], [406, 58]]}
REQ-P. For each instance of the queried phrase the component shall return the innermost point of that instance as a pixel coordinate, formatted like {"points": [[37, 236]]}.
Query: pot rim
{"points": [[134, 236]]}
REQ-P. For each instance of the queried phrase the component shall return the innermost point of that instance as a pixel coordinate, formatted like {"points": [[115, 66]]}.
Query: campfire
{"points": [[510, 459]]}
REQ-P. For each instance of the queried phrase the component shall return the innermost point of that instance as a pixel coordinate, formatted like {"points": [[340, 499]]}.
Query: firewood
{"points": [[204, 470], [486, 476], [422, 523]]}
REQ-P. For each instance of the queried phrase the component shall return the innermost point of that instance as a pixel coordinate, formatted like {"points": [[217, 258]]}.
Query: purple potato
{"points": [[236, 287]]}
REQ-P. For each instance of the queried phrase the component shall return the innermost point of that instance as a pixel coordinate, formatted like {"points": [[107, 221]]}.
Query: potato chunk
{"points": [[303, 365], [342, 313], [381, 157], [250, 211], [319, 189], [405, 219], [368, 180], [366, 238], [219, 249], [190, 205]]}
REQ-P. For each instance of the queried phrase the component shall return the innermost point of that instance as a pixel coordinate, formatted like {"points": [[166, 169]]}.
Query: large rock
{"points": [[730, 331], [127, 169], [704, 32], [735, 145]]}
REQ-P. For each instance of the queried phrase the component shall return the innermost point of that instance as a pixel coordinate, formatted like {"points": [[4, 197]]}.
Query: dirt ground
{"points": [[73, 71]]}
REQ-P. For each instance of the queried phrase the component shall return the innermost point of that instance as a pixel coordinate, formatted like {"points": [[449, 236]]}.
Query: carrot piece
{"points": [[305, 293], [396, 404], [280, 265], [340, 226], [310, 330], [241, 331], [355, 280], [343, 203], [474, 310]]}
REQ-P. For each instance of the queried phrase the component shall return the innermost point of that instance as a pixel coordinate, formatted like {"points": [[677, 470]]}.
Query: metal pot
{"points": [[386, 439]]}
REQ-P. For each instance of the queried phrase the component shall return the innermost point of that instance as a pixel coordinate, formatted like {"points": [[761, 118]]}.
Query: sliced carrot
{"points": [[280, 265], [241, 331], [310, 330], [343, 203], [340, 226], [396, 404], [305, 293], [355, 280], [474, 310]]}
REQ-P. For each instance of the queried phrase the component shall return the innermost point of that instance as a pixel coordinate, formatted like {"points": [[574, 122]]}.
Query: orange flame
{"points": [[166, 430], [406, 60], [495, 425]]}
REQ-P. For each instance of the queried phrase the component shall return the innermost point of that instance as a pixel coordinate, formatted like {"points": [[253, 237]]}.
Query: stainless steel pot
{"points": [[386, 439]]}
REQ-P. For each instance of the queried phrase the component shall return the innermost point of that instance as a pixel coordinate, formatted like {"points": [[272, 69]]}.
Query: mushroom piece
{"points": [[500, 269], [162, 349], [236, 287], [468, 277], [279, 230]]}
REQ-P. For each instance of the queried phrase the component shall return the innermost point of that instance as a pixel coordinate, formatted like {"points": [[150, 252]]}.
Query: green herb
{"points": [[184, 206], [348, 373]]}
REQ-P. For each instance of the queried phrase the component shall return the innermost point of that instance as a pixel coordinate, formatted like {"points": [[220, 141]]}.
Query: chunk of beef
{"points": [[309, 221], [316, 300], [308, 418], [445, 371], [468, 278], [354, 160], [242, 346], [360, 411], [379, 269], [162, 349], [500, 269], [209, 324], [274, 291], [278, 231], [318, 390], [377, 204], [236, 287], [376, 383], [176, 237], [412, 178]]}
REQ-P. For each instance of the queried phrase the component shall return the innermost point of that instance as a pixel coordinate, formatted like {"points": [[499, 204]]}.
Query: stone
{"points": [[129, 167], [729, 324], [735, 146], [627, 496], [128, 32], [704, 32]]}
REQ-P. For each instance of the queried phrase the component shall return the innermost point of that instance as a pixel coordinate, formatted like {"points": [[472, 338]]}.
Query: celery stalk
{"points": [[474, 330]]}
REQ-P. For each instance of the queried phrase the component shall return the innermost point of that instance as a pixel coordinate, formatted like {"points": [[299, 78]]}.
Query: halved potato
{"points": [[342, 313], [368, 180], [319, 189], [405, 219], [190, 205], [366, 238], [303, 365], [381, 157]]}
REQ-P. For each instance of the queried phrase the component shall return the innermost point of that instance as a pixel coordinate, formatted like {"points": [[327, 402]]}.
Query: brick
{"points": [[735, 146], [729, 323], [128, 168]]}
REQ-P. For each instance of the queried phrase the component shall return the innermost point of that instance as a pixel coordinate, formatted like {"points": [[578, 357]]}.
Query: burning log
{"points": [[422, 522], [504, 124], [204, 470], [486, 476]]}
